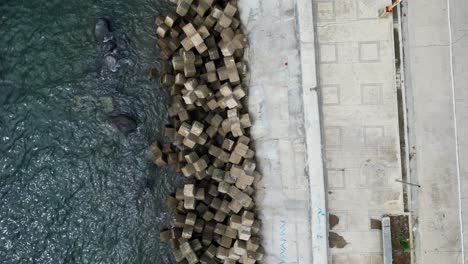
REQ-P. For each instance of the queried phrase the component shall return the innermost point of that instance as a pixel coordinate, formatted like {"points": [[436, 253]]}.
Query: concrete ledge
{"points": [[314, 160]]}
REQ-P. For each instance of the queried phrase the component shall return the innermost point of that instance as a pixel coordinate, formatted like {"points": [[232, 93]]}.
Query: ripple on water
{"points": [[72, 188]]}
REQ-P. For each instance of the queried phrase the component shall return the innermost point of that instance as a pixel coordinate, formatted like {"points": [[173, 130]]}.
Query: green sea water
{"points": [[73, 189]]}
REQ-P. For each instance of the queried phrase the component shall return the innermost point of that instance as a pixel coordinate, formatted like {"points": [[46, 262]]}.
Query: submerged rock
{"points": [[124, 111], [124, 124]]}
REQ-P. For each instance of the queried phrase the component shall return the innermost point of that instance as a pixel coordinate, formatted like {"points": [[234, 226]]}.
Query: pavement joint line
{"points": [[457, 151]]}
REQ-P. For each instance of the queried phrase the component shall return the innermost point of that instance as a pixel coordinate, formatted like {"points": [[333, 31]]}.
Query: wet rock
{"points": [[101, 29], [111, 63], [124, 124]]}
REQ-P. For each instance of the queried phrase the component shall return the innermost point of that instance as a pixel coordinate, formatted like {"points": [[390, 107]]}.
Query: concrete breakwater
{"points": [[215, 215]]}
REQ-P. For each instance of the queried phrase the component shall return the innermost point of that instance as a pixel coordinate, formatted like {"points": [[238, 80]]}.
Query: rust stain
{"points": [[336, 241], [376, 224], [333, 220]]}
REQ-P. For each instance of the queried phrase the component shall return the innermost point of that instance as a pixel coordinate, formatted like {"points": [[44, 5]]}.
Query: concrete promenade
{"points": [[286, 129], [436, 62], [356, 69]]}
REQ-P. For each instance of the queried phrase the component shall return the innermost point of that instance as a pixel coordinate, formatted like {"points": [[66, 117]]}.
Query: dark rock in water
{"points": [[124, 111], [124, 124], [102, 29], [111, 63]]}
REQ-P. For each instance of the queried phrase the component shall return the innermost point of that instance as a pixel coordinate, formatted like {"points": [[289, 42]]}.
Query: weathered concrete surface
{"points": [[436, 61], [360, 123], [279, 130]]}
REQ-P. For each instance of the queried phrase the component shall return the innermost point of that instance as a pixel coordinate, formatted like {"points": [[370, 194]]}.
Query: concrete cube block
{"points": [[225, 206], [215, 203], [223, 187], [179, 79], [245, 121], [187, 232], [190, 97], [213, 190], [202, 91], [225, 21], [235, 158], [235, 206], [201, 48], [219, 216], [213, 53], [244, 232], [178, 256], [185, 248], [210, 66], [170, 20], [230, 10], [187, 44], [230, 232], [192, 258], [179, 194], [225, 242], [222, 253], [188, 170], [216, 12], [183, 115], [218, 175], [208, 216], [211, 251], [166, 235], [220, 229], [179, 220], [240, 247], [189, 190], [202, 139], [190, 70], [225, 89], [212, 105], [237, 129], [253, 244], [196, 128], [209, 21], [201, 165], [248, 218], [236, 171], [196, 245], [189, 30], [182, 8], [162, 30], [241, 149], [245, 200], [228, 144], [207, 238], [189, 203], [159, 20], [231, 102], [191, 84], [191, 157], [190, 219], [203, 31], [200, 194], [190, 141], [196, 39]]}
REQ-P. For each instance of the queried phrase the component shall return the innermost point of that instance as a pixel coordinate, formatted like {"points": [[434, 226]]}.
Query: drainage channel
{"points": [[405, 151]]}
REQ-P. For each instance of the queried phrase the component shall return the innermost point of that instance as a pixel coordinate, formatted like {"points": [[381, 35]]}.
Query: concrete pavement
{"points": [[436, 63], [356, 69], [286, 130]]}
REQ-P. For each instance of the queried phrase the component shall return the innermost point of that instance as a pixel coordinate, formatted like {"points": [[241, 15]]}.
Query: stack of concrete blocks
{"points": [[215, 214]]}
